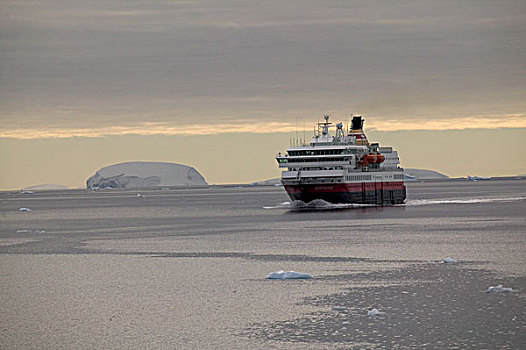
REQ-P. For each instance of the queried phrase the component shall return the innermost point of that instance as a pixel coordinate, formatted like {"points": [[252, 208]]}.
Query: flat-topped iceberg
{"points": [[145, 174], [287, 275]]}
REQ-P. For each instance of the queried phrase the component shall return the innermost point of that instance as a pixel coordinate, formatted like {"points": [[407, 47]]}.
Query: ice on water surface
{"points": [[449, 260], [284, 275], [374, 312], [500, 289]]}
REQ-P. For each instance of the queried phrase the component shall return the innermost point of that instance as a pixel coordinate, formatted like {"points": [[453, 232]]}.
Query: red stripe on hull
{"points": [[379, 193], [345, 187]]}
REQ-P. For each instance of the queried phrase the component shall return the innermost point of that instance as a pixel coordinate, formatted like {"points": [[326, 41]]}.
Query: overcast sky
{"points": [[107, 69], [110, 67]]}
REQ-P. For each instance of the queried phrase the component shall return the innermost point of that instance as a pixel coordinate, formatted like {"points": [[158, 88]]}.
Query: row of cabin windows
{"points": [[368, 177], [358, 177], [315, 152], [310, 160], [321, 168]]}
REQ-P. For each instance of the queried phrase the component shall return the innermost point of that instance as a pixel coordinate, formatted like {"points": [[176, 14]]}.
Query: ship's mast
{"points": [[325, 126]]}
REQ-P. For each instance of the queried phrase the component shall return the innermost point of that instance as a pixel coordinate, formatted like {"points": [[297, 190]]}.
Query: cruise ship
{"points": [[342, 168]]}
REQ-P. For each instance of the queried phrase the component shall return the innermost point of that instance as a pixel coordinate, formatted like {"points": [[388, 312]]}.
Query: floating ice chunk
{"points": [[284, 275], [339, 308], [449, 260], [139, 195], [24, 209], [284, 205], [500, 289], [374, 312]]}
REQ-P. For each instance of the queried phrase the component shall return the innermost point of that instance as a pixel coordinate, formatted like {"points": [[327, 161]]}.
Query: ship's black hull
{"points": [[375, 193]]}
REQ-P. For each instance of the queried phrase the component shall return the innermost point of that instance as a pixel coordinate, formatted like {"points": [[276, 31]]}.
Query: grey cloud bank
{"points": [[70, 64]]}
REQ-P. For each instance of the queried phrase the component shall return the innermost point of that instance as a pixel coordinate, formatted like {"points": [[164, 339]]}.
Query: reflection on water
{"points": [[185, 268]]}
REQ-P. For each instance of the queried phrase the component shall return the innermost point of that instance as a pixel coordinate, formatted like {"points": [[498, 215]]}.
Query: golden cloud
{"points": [[245, 126]]}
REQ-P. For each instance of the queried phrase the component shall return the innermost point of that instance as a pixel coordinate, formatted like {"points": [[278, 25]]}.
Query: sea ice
{"points": [[339, 308], [24, 209], [374, 312], [500, 289], [284, 275], [449, 260]]}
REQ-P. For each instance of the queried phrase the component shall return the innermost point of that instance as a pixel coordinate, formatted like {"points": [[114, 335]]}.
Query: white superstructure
{"points": [[343, 158]]}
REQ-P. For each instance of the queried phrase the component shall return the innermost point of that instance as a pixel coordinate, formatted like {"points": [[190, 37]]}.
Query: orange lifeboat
{"points": [[371, 158]]}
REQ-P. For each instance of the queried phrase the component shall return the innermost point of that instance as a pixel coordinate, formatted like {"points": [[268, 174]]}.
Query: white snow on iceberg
{"points": [[500, 289], [285, 275], [145, 174]]}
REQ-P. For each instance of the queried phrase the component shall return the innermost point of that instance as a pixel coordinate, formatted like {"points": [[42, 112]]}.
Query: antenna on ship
{"points": [[297, 135], [304, 137], [326, 124]]}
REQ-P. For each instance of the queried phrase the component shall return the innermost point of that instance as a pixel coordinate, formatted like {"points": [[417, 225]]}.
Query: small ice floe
{"points": [[23, 231], [24, 209], [339, 308], [449, 260], [374, 312], [285, 275], [139, 195], [500, 289], [284, 205]]}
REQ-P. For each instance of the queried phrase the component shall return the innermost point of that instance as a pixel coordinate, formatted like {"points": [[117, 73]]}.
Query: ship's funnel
{"points": [[357, 123]]}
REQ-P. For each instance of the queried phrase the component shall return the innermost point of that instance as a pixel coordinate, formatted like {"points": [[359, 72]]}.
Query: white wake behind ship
{"points": [[342, 168]]}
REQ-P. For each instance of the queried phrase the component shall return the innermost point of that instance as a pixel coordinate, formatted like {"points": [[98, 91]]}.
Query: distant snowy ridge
{"points": [[45, 187], [423, 174], [271, 182], [145, 174]]}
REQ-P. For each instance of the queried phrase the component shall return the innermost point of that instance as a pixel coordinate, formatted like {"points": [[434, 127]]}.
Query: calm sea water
{"points": [[185, 269]]}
